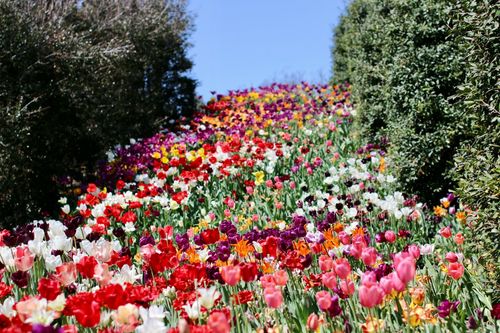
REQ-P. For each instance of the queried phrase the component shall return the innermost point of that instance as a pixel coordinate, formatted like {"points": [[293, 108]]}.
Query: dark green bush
{"points": [[477, 165], [425, 75], [76, 80], [404, 67]]}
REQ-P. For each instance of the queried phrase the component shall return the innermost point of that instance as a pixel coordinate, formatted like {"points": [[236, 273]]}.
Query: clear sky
{"points": [[244, 43]]}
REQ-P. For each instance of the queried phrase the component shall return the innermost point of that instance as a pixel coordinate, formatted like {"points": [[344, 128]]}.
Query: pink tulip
{"points": [[368, 278], [459, 238], [66, 273], [370, 295], [218, 323], [414, 250], [369, 256], [342, 268], [325, 263], [404, 263], [281, 277], [390, 236], [267, 281], [345, 239], [329, 280], [451, 257], [273, 297], [347, 287], [455, 270], [445, 232], [231, 274], [313, 322], [386, 284], [355, 251], [397, 284], [324, 300], [24, 259]]}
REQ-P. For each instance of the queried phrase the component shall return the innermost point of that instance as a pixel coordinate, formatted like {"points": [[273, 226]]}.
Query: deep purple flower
{"points": [[145, 240], [39, 328], [20, 278], [446, 308]]}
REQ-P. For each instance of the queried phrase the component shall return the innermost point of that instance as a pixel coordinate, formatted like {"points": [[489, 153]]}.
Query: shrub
{"points": [[78, 79], [477, 165], [425, 75]]}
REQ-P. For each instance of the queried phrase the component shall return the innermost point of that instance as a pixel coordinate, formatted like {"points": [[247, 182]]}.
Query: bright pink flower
{"points": [[231, 274], [455, 270], [313, 322], [345, 239], [451, 257], [369, 256], [273, 297], [386, 284], [370, 295], [267, 281], [324, 300], [414, 250], [368, 278], [445, 232], [218, 323], [390, 236], [24, 259], [459, 238], [342, 268], [397, 284], [404, 263], [329, 280], [281, 277], [325, 263], [347, 287], [66, 273]]}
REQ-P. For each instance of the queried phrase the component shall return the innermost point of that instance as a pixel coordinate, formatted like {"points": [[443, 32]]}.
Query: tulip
{"points": [[347, 287], [313, 322], [455, 270], [370, 295], [369, 256], [273, 297], [324, 299], [390, 236], [325, 263], [342, 268], [231, 274], [329, 280], [281, 277], [218, 323], [24, 259], [405, 267]]}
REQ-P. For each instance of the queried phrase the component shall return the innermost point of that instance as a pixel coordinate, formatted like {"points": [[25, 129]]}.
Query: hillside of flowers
{"points": [[261, 214]]}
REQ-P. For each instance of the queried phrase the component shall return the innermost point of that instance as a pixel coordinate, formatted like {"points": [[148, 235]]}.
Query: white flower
{"points": [[6, 308], [152, 320], [63, 200], [65, 209], [208, 296], [426, 249], [193, 311], [51, 262], [6, 257], [257, 247], [126, 274]]}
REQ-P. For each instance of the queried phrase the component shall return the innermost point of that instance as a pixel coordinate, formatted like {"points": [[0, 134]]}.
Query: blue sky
{"points": [[242, 43]]}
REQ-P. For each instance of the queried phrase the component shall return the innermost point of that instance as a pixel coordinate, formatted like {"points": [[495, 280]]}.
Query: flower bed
{"points": [[264, 215]]}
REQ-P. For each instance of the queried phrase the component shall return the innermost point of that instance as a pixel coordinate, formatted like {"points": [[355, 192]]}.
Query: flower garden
{"points": [[261, 214]]}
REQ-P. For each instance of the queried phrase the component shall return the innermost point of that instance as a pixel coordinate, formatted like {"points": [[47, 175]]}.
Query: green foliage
{"points": [[477, 165], [404, 67], [425, 76], [76, 80]]}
